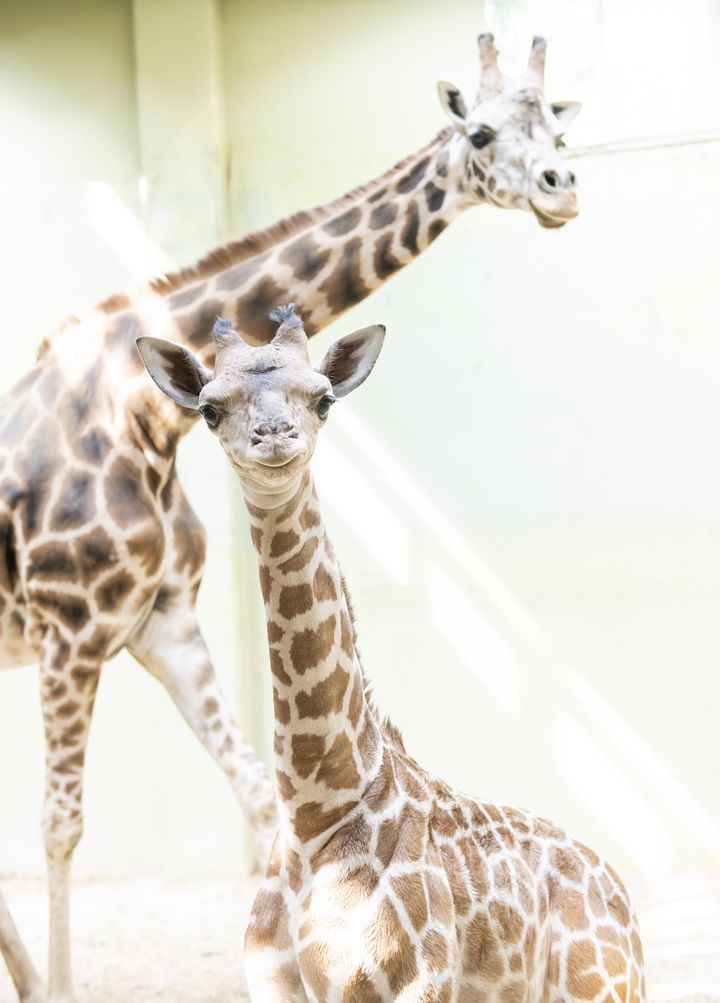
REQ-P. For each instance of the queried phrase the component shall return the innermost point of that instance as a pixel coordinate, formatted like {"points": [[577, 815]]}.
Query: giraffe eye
{"points": [[482, 136], [323, 406], [212, 418]]}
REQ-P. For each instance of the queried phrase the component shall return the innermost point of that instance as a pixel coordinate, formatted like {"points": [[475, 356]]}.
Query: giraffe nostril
{"points": [[259, 431], [551, 179], [277, 426], [288, 428]]}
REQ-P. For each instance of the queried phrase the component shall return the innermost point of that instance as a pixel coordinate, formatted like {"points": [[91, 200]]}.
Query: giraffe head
{"points": [[266, 405], [511, 136]]}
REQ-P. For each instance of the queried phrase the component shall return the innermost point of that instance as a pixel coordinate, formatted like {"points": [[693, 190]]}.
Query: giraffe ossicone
{"points": [[384, 883]]}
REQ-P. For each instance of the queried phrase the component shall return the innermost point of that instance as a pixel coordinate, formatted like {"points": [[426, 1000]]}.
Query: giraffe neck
{"points": [[329, 258], [325, 260], [327, 738]]}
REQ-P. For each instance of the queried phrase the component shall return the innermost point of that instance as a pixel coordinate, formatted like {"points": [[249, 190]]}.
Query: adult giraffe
{"points": [[100, 547]]}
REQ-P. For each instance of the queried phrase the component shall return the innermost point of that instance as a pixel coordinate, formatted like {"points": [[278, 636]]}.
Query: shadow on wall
{"points": [[601, 760]]}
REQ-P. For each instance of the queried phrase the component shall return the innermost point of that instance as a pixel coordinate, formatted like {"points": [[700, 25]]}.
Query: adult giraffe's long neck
{"points": [[324, 260], [328, 742], [329, 258]]}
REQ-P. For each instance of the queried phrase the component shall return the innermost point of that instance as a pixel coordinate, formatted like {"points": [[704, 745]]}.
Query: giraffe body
{"points": [[102, 550], [440, 897], [384, 883], [407, 889]]}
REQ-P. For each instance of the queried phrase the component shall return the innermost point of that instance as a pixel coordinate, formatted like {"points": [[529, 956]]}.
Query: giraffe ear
{"points": [[175, 370], [349, 361], [454, 104], [565, 112]]}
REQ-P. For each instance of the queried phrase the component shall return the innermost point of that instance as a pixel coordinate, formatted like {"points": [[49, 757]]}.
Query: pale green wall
{"points": [[525, 495]]}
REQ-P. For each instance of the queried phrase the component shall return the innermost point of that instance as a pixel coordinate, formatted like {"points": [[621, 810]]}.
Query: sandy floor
{"points": [[151, 940]]}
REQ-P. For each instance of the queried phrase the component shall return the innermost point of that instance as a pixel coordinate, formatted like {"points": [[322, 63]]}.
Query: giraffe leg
{"points": [[271, 967], [22, 971], [68, 689], [171, 647], [274, 982], [272, 972]]}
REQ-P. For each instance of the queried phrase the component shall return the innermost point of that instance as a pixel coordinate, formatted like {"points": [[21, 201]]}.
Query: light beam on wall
{"points": [[470, 634], [124, 233], [364, 510], [614, 801]]}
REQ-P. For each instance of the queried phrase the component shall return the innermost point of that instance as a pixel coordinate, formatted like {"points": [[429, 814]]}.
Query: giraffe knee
{"points": [[62, 828]]}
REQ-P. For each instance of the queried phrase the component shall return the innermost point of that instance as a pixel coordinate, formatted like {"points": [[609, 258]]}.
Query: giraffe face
{"points": [[512, 135], [266, 405]]}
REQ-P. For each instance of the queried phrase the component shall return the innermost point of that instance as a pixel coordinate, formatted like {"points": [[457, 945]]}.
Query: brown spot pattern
{"points": [[392, 949], [305, 258], [311, 646], [283, 541], [337, 769], [326, 697], [345, 284], [294, 600], [306, 753]]}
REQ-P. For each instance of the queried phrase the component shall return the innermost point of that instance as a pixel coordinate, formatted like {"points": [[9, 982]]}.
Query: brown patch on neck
{"points": [[311, 820], [337, 768], [344, 223], [310, 647], [324, 698], [306, 258], [345, 286], [384, 262], [413, 178], [382, 216], [411, 228], [251, 312]]}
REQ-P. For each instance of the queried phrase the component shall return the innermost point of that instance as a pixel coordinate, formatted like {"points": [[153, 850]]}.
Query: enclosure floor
{"points": [[152, 940]]}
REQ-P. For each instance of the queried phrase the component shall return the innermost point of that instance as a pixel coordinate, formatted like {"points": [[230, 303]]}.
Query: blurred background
{"points": [[525, 497]]}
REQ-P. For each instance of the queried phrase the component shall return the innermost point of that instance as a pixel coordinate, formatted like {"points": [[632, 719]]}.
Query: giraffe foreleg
{"points": [[68, 688], [22, 971], [273, 978], [171, 647]]}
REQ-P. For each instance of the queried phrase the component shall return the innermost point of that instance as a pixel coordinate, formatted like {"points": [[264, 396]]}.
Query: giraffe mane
{"points": [[390, 731]]}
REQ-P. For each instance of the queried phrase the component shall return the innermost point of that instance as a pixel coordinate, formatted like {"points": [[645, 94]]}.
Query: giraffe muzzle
{"points": [[276, 451], [554, 200]]}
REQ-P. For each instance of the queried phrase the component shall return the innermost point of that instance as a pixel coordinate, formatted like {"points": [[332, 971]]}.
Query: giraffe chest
{"points": [[450, 912], [352, 930]]}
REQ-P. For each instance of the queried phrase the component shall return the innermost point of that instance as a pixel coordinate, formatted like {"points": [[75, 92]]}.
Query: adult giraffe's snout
{"points": [[553, 197]]}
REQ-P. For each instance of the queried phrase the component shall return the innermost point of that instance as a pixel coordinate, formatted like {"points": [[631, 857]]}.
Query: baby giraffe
{"points": [[384, 883]]}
